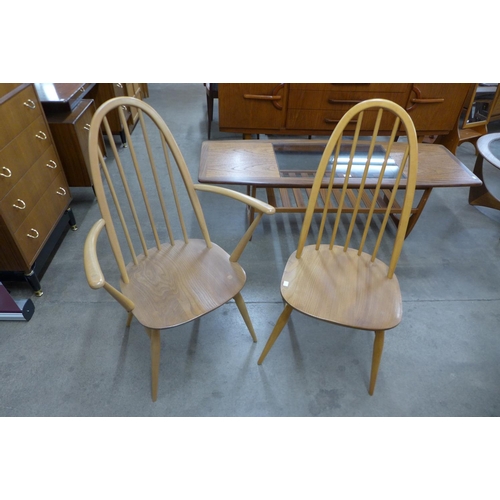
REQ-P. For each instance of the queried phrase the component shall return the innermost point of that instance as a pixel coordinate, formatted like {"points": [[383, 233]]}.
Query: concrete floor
{"points": [[75, 357]]}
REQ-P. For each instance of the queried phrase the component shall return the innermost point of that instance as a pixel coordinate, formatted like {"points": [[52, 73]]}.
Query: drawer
{"points": [[18, 203], [309, 99], [17, 113], [20, 154], [353, 87], [327, 120], [38, 225]]}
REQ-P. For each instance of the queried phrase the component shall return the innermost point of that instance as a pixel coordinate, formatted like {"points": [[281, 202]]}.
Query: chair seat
{"points": [[369, 300], [179, 283]]}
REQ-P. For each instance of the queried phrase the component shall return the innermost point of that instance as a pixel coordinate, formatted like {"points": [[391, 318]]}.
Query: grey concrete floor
{"points": [[76, 358]]}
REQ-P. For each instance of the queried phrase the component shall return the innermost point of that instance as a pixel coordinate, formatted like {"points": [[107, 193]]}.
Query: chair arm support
{"points": [[259, 205], [93, 271]]}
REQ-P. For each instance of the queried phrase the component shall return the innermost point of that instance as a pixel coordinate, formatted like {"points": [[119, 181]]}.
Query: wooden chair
{"points": [[343, 284], [167, 283]]}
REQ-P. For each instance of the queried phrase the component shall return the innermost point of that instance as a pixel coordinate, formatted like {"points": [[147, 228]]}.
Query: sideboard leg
{"points": [[34, 282]]}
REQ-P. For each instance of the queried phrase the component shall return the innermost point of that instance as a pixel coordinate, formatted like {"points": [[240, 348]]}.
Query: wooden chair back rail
{"points": [[361, 200]]}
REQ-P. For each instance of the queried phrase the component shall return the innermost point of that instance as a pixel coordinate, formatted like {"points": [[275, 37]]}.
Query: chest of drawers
{"points": [[34, 194]]}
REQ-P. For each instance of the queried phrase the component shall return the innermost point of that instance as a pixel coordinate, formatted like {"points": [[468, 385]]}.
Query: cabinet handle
{"points": [[41, 135], [61, 191], [82, 89], [51, 164], [272, 97], [30, 104], [35, 235], [8, 174], [119, 85], [422, 100], [87, 127], [23, 205]]}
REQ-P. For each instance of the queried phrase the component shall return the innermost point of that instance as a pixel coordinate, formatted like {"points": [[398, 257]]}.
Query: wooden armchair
{"points": [[165, 284], [344, 284]]}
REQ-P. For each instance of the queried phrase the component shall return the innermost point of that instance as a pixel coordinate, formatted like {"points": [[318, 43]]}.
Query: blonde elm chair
{"points": [[345, 284], [140, 190]]}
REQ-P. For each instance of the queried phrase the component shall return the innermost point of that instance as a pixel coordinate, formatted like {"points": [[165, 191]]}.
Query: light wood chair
{"points": [[165, 284], [343, 284]]}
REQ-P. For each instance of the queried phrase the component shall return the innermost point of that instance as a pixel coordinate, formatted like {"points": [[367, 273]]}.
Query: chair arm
{"points": [[93, 271], [95, 277], [259, 205]]}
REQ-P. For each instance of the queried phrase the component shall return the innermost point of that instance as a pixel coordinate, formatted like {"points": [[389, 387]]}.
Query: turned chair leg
{"points": [[154, 335], [378, 346], [244, 313], [282, 320]]}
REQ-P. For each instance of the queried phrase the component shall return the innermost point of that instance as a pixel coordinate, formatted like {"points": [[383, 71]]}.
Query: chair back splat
{"points": [[351, 165], [147, 199]]}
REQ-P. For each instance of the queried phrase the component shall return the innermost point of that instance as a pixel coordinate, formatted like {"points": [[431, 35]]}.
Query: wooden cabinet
{"points": [[102, 92], [316, 108], [34, 193], [71, 134]]}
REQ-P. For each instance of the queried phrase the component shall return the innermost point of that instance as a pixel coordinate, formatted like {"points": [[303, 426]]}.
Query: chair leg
{"points": [[244, 312], [210, 112], [378, 346], [129, 319], [282, 320], [154, 335]]}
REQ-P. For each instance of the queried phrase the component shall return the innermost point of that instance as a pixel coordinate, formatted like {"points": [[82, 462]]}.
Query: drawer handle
{"points": [[41, 135], [61, 191], [23, 205], [119, 85], [8, 174], [35, 235], [30, 104], [87, 127], [82, 89], [273, 97], [51, 164], [418, 99]]}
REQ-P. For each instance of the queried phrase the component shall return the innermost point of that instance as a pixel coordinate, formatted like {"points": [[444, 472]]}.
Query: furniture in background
{"points": [[105, 91], [212, 90], [345, 284], [165, 284], [285, 169], [488, 147], [34, 193], [69, 108], [316, 108], [482, 106]]}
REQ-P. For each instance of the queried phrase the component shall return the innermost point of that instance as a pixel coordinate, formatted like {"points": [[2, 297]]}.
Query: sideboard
{"points": [[316, 108]]}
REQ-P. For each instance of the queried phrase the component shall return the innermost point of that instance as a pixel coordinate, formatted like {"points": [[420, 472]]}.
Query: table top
{"points": [[489, 147], [259, 163], [61, 97]]}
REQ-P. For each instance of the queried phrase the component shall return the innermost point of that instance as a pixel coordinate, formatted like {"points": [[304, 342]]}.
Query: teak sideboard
{"points": [[316, 108]]}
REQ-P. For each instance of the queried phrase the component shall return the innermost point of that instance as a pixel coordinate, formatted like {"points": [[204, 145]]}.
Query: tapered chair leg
{"points": [[244, 313], [129, 319], [282, 320], [378, 346], [154, 335]]}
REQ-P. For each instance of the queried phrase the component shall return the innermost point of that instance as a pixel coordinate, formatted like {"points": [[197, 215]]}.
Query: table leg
{"points": [[416, 214], [479, 195]]}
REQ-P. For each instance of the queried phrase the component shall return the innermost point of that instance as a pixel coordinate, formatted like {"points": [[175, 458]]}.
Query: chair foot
{"points": [[378, 346], [282, 320]]}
